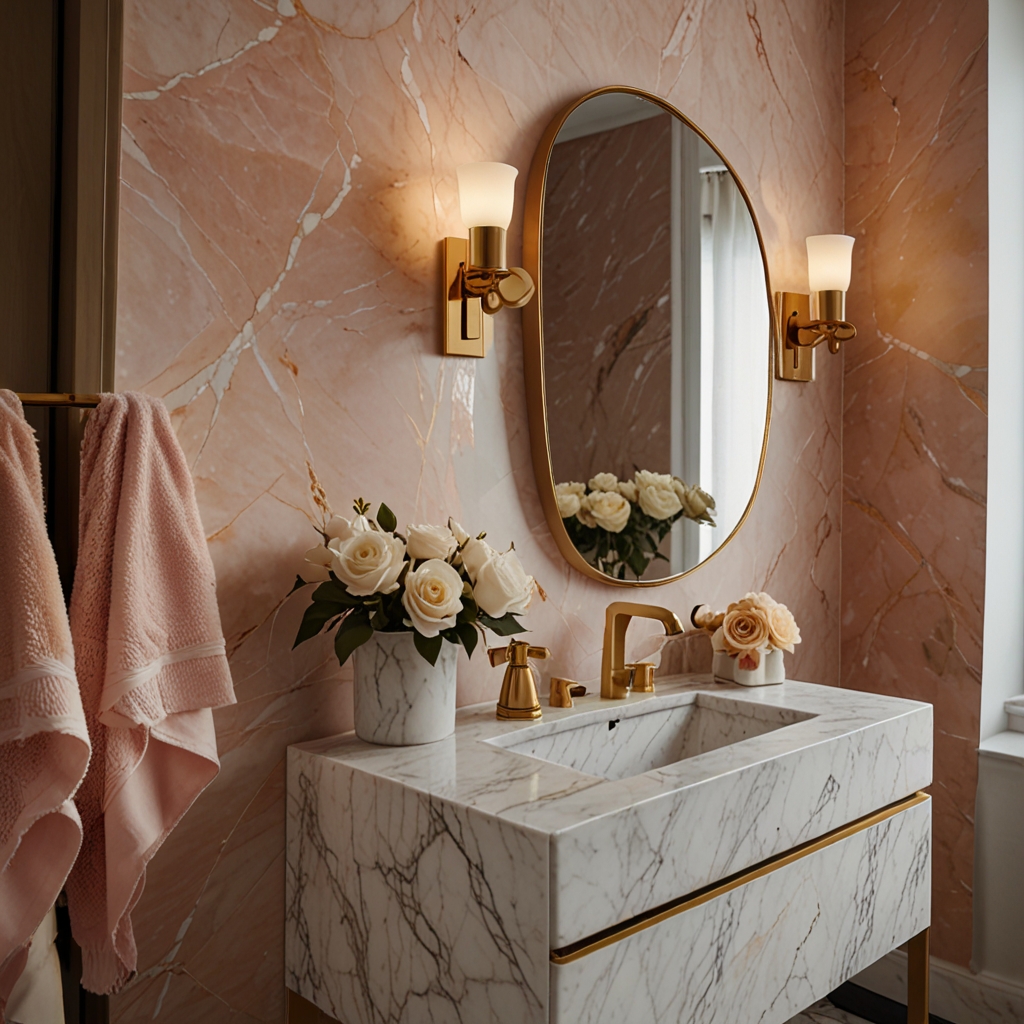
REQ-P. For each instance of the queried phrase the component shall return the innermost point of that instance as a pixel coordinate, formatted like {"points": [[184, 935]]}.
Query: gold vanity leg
{"points": [[917, 979]]}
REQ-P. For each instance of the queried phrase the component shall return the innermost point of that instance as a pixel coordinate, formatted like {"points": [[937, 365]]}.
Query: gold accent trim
{"points": [[617, 933], [533, 339]]}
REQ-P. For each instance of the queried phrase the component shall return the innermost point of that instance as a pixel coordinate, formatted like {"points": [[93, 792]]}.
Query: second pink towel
{"points": [[151, 664]]}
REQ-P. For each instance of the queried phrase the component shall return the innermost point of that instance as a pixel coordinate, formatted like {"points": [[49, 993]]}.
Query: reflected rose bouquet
{"points": [[620, 524], [748, 628], [436, 582]]}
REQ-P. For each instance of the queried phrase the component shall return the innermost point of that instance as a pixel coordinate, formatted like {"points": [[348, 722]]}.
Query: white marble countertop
{"points": [[620, 847]]}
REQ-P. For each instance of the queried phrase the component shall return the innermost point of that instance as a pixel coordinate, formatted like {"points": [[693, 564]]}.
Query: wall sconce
{"points": [[477, 282], [828, 275]]}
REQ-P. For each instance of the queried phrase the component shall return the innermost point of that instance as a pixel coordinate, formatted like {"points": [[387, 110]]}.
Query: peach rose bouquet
{"points": [[749, 628], [437, 582]]}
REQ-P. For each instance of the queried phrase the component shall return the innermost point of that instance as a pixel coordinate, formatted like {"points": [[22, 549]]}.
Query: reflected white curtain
{"points": [[734, 344]]}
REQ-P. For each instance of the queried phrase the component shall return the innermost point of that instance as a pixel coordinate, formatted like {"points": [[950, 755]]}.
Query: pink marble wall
{"points": [[914, 423], [288, 171], [608, 345]]}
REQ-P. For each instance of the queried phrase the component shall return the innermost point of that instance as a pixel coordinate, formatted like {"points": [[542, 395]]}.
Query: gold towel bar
{"points": [[78, 401]]}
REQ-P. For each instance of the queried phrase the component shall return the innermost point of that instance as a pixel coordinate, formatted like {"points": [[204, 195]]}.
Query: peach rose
{"points": [[782, 627], [745, 627]]}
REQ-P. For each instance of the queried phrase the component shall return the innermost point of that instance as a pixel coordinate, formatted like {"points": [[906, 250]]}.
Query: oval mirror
{"points": [[648, 346]]}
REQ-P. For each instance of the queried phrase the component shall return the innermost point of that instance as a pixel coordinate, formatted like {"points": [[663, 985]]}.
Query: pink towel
{"points": [[151, 665], [44, 743]]}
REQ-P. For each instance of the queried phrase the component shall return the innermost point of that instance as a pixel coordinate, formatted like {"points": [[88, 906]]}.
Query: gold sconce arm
{"points": [[832, 331], [798, 334]]}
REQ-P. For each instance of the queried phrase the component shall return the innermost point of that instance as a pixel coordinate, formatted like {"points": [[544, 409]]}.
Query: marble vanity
{"points": [[707, 853]]}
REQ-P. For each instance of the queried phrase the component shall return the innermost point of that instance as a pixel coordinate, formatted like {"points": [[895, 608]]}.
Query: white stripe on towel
{"points": [[119, 683]]}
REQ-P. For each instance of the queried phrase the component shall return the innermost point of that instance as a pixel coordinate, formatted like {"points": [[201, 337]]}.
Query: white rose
{"points": [[645, 478], [571, 488], [316, 568], [339, 528], [604, 482], [628, 489], [475, 554], [609, 509], [432, 596], [657, 496], [457, 531], [568, 503], [368, 562], [693, 499], [502, 585], [430, 542], [584, 515]]}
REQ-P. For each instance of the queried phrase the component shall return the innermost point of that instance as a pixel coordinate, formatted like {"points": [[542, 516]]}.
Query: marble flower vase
{"points": [[400, 698], [771, 670]]}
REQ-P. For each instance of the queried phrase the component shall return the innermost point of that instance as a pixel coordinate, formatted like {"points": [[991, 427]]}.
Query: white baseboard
{"points": [[957, 995]]}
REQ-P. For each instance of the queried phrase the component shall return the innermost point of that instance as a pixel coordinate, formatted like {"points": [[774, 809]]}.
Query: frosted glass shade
{"points": [[828, 262], [486, 194]]}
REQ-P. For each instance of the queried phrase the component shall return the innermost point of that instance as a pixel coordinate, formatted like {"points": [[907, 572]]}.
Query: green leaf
{"points": [[505, 626], [379, 619], [387, 520], [299, 583], [637, 563], [334, 592], [468, 635], [353, 632], [314, 619], [429, 647]]}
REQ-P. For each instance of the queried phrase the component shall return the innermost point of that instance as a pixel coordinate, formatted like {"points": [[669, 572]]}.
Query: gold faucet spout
{"points": [[615, 677]]}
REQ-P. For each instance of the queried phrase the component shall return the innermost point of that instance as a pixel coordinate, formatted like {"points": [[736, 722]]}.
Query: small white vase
{"points": [[771, 670], [722, 666], [774, 667], [400, 698]]}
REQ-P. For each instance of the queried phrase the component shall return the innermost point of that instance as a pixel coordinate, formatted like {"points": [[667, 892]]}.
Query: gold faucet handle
{"points": [[560, 695], [643, 676], [499, 655], [563, 691], [517, 652]]}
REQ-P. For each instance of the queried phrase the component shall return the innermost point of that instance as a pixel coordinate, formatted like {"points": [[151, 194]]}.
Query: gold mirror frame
{"points": [[533, 338]]}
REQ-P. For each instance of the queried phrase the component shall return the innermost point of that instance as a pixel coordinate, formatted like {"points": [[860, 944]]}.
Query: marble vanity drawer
{"points": [[762, 947]]}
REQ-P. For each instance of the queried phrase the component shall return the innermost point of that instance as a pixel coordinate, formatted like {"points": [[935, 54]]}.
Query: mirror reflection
{"points": [[655, 339]]}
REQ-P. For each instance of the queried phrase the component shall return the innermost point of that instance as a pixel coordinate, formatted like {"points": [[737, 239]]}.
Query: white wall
{"points": [[1003, 667]]}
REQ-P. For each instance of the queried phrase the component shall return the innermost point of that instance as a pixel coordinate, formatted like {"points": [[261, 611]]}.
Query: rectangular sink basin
{"points": [[619, 741]]}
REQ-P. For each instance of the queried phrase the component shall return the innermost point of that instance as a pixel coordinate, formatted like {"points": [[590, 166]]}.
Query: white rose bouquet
{"points": [[748, 628], [620, 524], [436, 582]]}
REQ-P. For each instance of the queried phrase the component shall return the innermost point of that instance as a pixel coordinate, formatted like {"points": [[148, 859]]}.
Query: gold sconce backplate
{"points": [[792, 363], [468, 331]]}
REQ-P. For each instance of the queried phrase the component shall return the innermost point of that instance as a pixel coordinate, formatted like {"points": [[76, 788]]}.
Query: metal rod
{"points": [[917, 979], [78, 401]]}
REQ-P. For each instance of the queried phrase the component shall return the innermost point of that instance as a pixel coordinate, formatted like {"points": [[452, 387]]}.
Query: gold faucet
{"points": [[518, 697], [615, 676]]}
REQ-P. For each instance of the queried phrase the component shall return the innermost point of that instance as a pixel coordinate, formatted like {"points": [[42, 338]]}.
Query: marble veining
{"points": [[914, 422], [394, 913], [398, 697], [621, 846], [288, 169], [762, 951], [620, 742]]}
